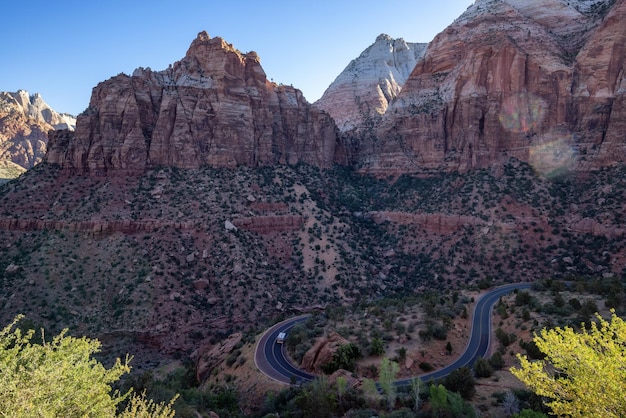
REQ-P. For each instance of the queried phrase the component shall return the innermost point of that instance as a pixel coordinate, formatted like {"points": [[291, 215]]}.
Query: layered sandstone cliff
{"points": [[541, 81], [214, 107], [360, 95], [24, 124]]}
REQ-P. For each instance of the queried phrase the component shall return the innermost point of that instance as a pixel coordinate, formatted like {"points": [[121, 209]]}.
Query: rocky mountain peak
{"points": [[204, 49], [214, 107], [362, 92], [34, 107], [25, 121], [566, 20]]}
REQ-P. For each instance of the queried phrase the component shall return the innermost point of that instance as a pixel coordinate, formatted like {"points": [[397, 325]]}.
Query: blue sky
{"points": [[62, 49]]}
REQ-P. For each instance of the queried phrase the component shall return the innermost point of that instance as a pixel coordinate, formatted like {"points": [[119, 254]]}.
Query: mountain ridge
{"points": [[204, 201]]}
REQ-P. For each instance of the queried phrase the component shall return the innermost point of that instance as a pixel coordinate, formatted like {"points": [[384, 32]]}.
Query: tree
{"points": [[447, 404], [316, 400], [342, 387], [377, 347], [387, 373], [438, 399], [415, 392], [60, 378], [583, 373], [510, 404], [140, 407], [482, 368], [343, 358], [496, 361], [461, 381], [529, 413]]}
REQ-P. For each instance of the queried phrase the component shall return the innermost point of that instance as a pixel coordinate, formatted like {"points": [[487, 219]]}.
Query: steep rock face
{"points": [[24, 124], [541, 81], [214, 107], [360, 95]]}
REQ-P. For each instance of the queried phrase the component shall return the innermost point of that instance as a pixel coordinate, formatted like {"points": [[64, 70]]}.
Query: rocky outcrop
{"points": [[24, 124], [322, 352], [360, 95], [126, 226], [269, 224], [215, 107], [540, 81], [209, 357]]}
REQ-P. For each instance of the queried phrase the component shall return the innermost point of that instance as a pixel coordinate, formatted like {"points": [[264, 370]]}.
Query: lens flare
{"points": [[552, 156], [522, 112]]}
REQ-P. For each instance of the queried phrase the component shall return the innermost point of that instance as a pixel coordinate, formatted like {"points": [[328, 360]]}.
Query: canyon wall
{"points": [[540, 81], [215, 107]]}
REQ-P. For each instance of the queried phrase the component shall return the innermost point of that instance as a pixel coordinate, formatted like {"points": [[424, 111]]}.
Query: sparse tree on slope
{"points": [[584, 374]]}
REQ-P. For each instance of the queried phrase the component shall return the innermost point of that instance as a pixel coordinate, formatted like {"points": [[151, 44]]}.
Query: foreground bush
{"points": [[59, 378], [583, 374]]}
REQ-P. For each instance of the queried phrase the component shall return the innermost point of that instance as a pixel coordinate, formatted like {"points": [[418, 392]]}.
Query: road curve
{"points": [[272, 360]]}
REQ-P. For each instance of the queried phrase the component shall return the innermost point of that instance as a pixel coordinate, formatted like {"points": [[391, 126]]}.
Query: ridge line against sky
{"points": [[63, 49]]}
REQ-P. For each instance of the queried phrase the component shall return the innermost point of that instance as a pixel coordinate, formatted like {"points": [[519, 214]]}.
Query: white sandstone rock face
{"points": [[34, 107], [25, 121], [360, 95]]}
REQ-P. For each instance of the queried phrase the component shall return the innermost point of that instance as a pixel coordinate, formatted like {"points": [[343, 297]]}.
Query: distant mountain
{"points": [[360, 95], [24, 124]]}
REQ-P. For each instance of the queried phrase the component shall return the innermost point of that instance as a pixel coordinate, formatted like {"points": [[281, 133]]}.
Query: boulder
{"points": [[322, 352]]}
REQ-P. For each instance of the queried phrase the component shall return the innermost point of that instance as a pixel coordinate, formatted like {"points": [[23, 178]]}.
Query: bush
{"points": [[377, 348], [461, 381], [482, 368], [343, 358], [496, 361], [426, 366], [60, 378]]}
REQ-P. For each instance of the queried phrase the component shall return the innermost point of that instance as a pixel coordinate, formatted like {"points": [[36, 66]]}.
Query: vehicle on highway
{"points": [[281, 338]]}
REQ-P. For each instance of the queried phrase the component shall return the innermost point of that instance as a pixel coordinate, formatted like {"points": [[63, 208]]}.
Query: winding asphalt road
{"points": [[271, 358]]}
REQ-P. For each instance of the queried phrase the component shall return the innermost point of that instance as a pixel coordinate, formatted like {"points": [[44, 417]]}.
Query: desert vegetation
{"points": [[146, 264]]}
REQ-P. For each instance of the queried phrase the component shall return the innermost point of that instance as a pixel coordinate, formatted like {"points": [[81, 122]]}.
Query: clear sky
{"points": [[64, 48]]}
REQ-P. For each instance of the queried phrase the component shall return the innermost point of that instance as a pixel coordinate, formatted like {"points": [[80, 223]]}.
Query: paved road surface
{"points": [[271, 358]]}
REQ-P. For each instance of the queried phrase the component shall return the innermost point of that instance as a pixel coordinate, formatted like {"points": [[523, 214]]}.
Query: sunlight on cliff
{"points": [[522, 112], [553, 156]]}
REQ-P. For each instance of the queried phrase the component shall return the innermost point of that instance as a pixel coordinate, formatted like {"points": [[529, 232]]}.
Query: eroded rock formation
{"points": [[322, 352], [360, 95], [24, 124], [540, 81], [214, 107]]}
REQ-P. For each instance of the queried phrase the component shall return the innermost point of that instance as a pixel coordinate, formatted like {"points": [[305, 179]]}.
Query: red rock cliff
{"points": [[214, 107], [541, 81]]}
